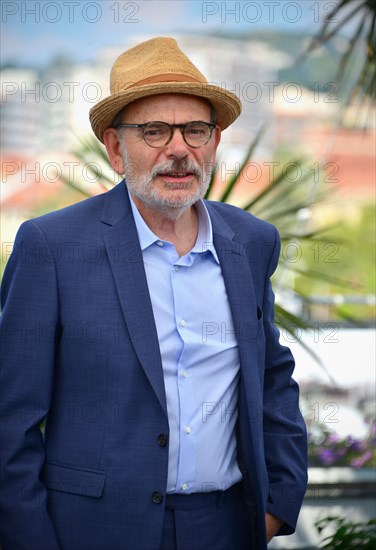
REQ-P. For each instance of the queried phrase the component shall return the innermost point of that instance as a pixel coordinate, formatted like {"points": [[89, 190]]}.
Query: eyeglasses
{"points": [[158, 134]]}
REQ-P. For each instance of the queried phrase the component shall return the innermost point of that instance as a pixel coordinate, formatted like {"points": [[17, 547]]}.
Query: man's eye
{"points": [[155, 132], [196, 133]]}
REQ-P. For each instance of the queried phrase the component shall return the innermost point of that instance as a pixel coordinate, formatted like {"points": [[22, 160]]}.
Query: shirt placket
{"points": [[185, 383]]}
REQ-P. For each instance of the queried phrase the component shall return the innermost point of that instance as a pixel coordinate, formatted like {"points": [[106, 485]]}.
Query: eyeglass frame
{"points": [[210, 125]]}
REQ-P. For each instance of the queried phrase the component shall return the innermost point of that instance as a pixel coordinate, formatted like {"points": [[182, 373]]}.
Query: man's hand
{"points": [[273, 525]]}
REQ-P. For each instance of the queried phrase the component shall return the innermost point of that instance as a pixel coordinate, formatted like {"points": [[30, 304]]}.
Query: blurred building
{"points": [[20, 112], [69, 92]]}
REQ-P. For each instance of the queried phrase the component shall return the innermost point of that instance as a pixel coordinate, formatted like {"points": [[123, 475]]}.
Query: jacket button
{"points": [[157, 497], [162, 440]]}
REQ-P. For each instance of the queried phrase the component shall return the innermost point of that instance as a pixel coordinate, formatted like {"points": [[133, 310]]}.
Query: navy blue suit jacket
{"points": [[80, 349]]}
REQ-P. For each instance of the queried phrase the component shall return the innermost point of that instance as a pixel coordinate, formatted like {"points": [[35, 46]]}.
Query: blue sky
{"points": [[34, 32]]}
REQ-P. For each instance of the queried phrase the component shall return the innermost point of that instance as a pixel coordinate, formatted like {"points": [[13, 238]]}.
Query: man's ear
{"points": [[112, 144]]}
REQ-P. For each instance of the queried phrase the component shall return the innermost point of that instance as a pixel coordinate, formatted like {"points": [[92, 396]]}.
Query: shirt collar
{"points": [[204, 241]]}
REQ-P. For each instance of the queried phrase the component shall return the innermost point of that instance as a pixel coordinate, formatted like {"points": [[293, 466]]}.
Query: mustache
{"points": [[176, 166]]}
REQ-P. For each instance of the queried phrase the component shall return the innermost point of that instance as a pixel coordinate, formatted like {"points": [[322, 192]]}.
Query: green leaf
{"points": [[72, 185], [278, 181], [235, 178]]}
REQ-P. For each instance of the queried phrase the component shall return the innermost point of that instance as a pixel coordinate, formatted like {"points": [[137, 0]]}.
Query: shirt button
{"points": [[184, 486], [176, 268], [159, 243], [157, 497], [183, 323], [162, 440], [184, 374], [188, 430]]}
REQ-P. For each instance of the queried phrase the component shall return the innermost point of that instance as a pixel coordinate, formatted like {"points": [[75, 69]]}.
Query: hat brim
{"points": [[227, 104]]}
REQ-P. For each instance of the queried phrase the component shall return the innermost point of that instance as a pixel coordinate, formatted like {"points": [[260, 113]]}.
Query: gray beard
{"points": [[170, 207]]}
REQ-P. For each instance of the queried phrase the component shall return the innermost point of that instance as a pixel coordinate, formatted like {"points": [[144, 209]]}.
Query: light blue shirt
{"points": [[200, 358]]}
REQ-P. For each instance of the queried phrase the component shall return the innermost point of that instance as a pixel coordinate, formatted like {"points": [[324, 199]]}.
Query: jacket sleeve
{"points": [[28, 325], [285, 438]]}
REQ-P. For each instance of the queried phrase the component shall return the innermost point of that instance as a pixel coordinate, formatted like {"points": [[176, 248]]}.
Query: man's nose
{"points": [[177, 146]]}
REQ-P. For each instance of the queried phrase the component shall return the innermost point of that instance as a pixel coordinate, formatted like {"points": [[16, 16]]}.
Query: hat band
{"points": [[172, 77], [158, 79]]}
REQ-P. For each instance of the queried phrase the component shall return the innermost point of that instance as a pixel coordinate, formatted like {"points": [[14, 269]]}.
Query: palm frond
{"points": [[75, 187], [235, 178], [317, 276], [293, 324], [233, 181], [362, 38], [278, 181]]}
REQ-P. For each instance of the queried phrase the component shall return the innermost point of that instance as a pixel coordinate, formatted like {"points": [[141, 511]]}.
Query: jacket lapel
{"points": [[125, 257], [241, 294]]}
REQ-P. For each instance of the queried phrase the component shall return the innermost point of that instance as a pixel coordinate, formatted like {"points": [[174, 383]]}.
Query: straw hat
{"points": [[153, 67]]}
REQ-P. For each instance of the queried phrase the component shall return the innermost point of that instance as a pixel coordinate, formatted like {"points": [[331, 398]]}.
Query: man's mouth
{"points": [[177, 176], [178, 179]]}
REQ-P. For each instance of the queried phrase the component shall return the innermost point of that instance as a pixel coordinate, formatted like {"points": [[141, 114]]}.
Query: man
{"points": [[139, 325]]}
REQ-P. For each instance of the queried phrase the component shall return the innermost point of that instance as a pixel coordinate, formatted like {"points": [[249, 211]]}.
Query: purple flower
{"points": [[333, 438], [328, 456], [361, 460], [358, 446]]}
